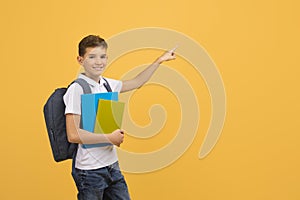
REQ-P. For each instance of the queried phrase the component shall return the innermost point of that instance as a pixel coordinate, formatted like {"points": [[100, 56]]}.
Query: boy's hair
{"points": [[90, 41]]}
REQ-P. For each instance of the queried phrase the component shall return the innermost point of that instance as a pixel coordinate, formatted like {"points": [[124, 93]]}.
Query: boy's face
{"points": [[94, 62]]}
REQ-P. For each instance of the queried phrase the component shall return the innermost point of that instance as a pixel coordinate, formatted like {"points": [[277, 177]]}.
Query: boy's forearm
{"points": [[146, 74], [85, 137], [141, 78], [80, 136]]}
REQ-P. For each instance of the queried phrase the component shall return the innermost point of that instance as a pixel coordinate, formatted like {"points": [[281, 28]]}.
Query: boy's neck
{"points": [[96, 79]]}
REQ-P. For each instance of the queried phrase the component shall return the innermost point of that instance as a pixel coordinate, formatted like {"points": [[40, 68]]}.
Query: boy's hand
{"points": [[169, 55], [116, 137]]}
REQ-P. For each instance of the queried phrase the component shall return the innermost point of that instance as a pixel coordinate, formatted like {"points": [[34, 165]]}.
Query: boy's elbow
{"points": [[132, 84], [72, 129], [73, 138]]}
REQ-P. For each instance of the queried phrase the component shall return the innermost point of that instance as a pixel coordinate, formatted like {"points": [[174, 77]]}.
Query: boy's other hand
{"points": [[116, 137]]}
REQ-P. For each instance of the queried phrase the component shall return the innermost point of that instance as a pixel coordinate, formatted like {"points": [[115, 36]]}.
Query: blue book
{"points": [[89, 107]]}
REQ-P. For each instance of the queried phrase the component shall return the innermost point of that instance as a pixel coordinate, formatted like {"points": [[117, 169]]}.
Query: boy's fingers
{"points": [[172, 50]]}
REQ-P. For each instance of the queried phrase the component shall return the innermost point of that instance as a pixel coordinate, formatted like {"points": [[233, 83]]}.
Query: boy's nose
{"points": [[98, 61]]}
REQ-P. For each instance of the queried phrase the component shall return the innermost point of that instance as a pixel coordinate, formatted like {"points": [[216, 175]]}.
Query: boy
{"points": [[96, 171]]}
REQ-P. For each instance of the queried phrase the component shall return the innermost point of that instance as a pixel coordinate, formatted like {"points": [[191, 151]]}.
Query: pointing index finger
{"points": [[172, 50]]}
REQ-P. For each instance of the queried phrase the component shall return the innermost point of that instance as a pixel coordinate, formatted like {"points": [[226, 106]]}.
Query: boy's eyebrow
{"points": [[92, 54]]}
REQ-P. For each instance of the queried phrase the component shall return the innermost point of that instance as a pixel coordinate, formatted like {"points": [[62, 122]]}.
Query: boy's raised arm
{"points": [[145, 75]]}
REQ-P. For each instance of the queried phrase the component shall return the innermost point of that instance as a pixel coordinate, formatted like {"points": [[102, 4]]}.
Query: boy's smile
{"points": [[94, 62]]}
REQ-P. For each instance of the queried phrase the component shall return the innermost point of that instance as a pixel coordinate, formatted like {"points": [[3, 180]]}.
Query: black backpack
{"points": [[54, 114]]}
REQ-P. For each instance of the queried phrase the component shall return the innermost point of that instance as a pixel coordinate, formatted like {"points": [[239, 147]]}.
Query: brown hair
{"points": [[90, 41]]}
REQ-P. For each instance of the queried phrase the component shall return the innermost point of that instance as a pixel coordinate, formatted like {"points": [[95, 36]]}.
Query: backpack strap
{"points": [[86, 90], [106, 85], [84, 84]]}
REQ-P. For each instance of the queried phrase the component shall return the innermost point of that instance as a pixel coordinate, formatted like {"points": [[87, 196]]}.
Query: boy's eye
{"points": [[91, 56], [102, 57]]}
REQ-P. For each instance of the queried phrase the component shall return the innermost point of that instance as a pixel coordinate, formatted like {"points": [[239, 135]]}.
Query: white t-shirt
{"points": [[97, 157]]}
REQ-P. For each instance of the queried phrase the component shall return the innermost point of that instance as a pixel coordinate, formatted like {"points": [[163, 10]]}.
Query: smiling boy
{"points": [[96, 170]]}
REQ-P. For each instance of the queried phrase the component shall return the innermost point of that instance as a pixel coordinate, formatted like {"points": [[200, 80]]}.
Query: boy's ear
{"points": [[80, 60]]}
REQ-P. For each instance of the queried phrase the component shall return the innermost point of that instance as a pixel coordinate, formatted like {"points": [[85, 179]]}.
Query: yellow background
{"points": [[255, 45]]}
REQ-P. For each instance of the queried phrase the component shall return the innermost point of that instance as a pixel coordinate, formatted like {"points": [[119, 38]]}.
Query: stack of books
{"points": [[101, 113]]}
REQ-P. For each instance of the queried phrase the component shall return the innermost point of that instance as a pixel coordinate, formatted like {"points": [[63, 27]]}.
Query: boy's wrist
{"points": [[159, 61]]}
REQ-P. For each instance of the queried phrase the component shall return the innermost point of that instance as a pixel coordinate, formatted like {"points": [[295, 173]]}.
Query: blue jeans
{"points": [[101, 184]]}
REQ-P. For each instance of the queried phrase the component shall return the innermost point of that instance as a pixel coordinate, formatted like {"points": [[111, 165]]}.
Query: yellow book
{"points": [[109, 116]]}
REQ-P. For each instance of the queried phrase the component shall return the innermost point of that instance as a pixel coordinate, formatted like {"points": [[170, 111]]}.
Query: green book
{"points": [[109, 116]]}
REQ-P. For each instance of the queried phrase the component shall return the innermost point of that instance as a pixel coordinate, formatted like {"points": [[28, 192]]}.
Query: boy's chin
{"points": [[98, 72]]}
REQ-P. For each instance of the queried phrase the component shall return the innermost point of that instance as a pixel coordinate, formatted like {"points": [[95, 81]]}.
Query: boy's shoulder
{"points": [[111, 80], [116, 85]]}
